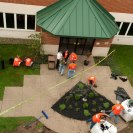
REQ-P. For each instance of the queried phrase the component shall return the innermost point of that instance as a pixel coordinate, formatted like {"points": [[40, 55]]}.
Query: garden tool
{"points": [[31, 122]]}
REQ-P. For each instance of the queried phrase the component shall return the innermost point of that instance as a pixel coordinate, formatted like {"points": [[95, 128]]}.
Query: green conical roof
{"points": [[77, 18]]}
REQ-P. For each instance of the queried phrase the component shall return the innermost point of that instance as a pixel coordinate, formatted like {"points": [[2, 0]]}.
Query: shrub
{"points": [[106, 105], [77, 109], [91, 95], [94, 110], [94, 102], [67, 98], [100, 108], [62, 107], [70, 106], [80, 85], [96, 94], [77, 97], [85, 105], [86, 113]]}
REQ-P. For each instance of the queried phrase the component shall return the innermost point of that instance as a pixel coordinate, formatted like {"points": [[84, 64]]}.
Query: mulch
{"points": [[76, 112]]}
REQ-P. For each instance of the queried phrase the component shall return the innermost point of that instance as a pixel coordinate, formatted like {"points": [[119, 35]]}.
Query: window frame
{"points": [[15, 22]]}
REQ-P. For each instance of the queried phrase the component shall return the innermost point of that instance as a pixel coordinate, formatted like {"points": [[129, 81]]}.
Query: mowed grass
{"points": [[8, 125], [11, 76], [121, 62]]}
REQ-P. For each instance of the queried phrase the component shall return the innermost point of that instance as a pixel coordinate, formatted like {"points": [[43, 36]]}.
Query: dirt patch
{"points": [[73, 106], [128, 129], [36, 127]]}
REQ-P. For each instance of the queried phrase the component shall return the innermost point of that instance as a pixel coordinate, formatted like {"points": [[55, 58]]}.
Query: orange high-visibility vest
{"points": [[92, 79], [96, 118], [72, 66], [28, 62], [117, 108], [17, 61], [73, 57]]}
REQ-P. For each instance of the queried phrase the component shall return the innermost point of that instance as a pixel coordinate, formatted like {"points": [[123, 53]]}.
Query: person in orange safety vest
{"points": [[92, 80], [73, 57], [71, 71], [17, 61], [97, 118], [116, 110], [28, 62]]}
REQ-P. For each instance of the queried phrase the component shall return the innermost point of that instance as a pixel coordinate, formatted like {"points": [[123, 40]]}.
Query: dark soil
{"points": [[74, 108]]}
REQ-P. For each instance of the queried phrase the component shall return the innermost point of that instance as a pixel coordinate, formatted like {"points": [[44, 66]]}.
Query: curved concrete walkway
{"points": [[42, 86]]}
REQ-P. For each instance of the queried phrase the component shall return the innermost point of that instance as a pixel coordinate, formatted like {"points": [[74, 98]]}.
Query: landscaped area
{"points": [[72, 101], [121, 62], [81, 102]]}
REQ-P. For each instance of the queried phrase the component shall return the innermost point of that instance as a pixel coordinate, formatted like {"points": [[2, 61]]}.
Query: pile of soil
{"points": [[73, 102]]}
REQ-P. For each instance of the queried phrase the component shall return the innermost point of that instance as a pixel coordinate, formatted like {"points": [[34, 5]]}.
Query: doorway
{"points": [[78, 45]]}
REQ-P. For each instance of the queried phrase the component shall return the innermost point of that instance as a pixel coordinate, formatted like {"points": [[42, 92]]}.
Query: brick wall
{"points": [[121, 6], [47, 38], [32, 2], [103, 42]]}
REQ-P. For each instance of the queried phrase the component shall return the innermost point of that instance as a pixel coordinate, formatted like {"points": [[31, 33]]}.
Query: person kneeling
{"points": [[28, 62]]}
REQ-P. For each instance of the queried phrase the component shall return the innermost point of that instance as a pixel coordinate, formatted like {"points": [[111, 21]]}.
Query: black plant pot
{"points": [[86, 62]]}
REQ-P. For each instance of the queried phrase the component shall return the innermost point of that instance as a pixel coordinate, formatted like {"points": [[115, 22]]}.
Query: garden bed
{"points": [[72, 105]]}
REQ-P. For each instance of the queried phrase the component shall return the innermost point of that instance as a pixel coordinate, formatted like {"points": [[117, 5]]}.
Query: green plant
{"points": [[94, 102], [62, 107], [80, 85], [101, 99], [100, 108], [70, 106], [67, 98], [77, 97], [91, 95], [94, 110], [87, 113], [96, 94], [77, 109], [85, 105], [106, 105]]}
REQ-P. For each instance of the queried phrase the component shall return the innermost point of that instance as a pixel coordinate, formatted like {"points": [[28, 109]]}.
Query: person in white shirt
{"points": [[59, 57]]}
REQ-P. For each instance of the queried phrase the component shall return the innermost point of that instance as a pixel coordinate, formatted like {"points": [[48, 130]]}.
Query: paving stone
{"points": [[13, 93], [7, 104], [32, 81]]}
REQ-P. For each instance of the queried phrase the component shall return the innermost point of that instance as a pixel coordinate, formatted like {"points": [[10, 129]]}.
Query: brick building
{"points": [[18, 20]]}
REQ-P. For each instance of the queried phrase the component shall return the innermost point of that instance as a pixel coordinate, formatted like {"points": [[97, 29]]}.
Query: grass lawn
{"points": [[121, 62], [10, 124], [11, 76]]}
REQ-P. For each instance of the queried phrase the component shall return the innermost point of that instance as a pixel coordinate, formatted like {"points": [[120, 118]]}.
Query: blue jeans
{"points": [[116, 117], [92, 123], [71, 73], [61, 68]]}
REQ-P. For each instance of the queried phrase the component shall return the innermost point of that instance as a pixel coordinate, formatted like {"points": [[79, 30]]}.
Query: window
{"points": [[20, 21], [123, 28], [30, 22], [9, 20], [130, 32], [1, 21], [118, 24]]}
